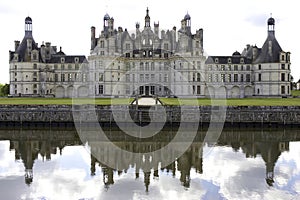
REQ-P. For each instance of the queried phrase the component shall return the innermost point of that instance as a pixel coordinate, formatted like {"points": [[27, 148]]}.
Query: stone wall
{"points": [[170, 114]]}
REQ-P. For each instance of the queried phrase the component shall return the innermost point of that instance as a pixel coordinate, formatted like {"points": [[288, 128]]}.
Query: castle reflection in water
{"points": [[269, 144]]}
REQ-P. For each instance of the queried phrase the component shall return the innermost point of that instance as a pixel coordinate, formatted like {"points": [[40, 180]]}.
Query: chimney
{"points": [[17, 44], [93, 37]]}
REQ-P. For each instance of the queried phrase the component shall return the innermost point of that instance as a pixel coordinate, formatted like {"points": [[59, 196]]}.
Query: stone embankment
{"points": [[67, 114]]}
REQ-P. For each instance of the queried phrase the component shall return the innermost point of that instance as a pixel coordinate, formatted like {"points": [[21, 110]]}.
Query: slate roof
{"points": [[68, 59], [22, 49], [266, 56], [224, 60]]}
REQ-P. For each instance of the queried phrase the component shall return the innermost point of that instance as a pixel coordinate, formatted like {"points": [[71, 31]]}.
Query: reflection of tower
{"points": [[184, 166], [147, 180], [29, 152], [270, 153], [108, 176]]}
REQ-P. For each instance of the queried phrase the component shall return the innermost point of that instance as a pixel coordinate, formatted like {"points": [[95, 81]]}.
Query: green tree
{"points": [[4, 89]]}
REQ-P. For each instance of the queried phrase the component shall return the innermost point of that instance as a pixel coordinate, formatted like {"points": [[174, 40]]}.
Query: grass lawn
{"points": [[62, 101], [296, 93], [167, 101]]}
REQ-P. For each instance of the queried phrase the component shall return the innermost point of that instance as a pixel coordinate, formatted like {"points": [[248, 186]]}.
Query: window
{"points": [[166, 55], [223, 78], [101, 91], [62, 60], [69, 66], [127, 55], [127, 65], [222, 67], [248, 78], [259, 67], [242, 60], [144, 53], [83, 77], [235, 67], [152, 77], [229, 77], [17, 67], [198, 77], [248, 68], [216, 60], [69, 77], [34, 66], [235, 78], [56, 77], [146, 66], [76, 66], [282, 77], [147, 77], [127, 78], [141, 66], [282, 89], [141, 77], [209, 78], [102, 53], [55, 66], [127, 46], [34, 74], [101, 44], [150, 53], [152, 66], [166, 78], [62, 66], [166, 46], [242, 77], [259, 77], [152, 90], [62, 77], [34, 85], [197, 44], [282, 66], [282, 57], [229, 60], [198, 89], [216, 78]]}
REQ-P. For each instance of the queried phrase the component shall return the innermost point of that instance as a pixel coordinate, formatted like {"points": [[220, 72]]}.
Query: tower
{"points": [[147, 18]]}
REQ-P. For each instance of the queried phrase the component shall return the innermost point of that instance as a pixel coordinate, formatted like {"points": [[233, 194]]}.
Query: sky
{"points": [[228, 26], [244, 178]]}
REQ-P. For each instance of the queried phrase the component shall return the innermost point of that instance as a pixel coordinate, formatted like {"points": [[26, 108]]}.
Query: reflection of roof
{"points": [[147, 101]]}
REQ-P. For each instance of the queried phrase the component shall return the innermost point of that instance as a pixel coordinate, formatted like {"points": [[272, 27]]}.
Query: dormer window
{"points": [[62, 60], [216, 60], [229, 60], [76, 59], [242, 60]]}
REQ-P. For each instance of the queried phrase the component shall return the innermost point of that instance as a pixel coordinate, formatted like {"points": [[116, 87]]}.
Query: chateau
{"points": [[149, 61]]}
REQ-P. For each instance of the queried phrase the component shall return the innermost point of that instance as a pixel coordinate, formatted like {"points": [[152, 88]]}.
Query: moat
{"points": [[57, 163]]}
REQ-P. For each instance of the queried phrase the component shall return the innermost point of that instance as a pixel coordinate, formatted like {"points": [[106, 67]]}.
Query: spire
{"points": [[147, 18]]}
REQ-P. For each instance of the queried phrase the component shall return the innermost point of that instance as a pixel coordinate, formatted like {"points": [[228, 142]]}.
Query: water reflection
{"points": [[32, 145]]}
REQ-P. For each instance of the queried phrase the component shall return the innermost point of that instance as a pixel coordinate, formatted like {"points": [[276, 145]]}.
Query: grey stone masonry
{"points": [[169, 114]]}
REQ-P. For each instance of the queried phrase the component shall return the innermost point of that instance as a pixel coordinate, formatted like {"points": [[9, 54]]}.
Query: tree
{"points": [[4, 89]]}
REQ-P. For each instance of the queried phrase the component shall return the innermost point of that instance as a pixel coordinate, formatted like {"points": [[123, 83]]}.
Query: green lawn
{"points": [[296, 93], [167, 101], [63, 101]]}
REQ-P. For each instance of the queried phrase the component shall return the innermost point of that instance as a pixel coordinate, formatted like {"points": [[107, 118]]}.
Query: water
{"points": [[57, 164]]}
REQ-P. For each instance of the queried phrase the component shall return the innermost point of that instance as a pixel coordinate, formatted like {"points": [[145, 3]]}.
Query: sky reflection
{"points": [[226, 173]]}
